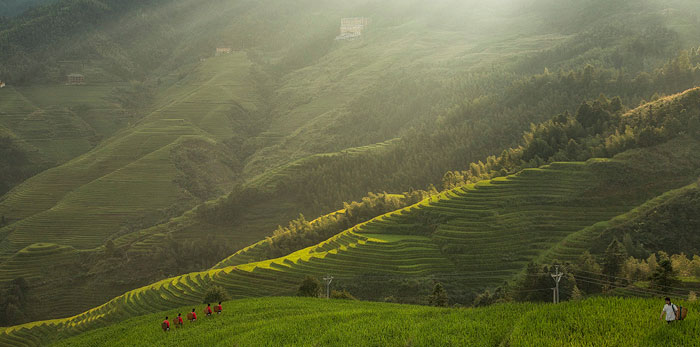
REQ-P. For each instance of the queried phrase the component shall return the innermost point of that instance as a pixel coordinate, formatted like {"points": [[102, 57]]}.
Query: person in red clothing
{"points": [[208, 310], [218, 308], [165, 325], [192, 316], [178, 321]]}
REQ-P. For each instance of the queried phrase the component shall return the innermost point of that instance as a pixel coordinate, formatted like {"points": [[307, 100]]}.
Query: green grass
{"points": [[318, 322]]}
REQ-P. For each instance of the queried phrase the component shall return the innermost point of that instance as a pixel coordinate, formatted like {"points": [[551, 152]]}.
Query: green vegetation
{"points": [[411, 242], [309, 287], [170, 158], [301, 322]]}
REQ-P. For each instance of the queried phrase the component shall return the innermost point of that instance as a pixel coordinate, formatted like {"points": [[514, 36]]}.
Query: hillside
{"points": [[169, 149], [297, 322], [410, 244], [10, 8]]}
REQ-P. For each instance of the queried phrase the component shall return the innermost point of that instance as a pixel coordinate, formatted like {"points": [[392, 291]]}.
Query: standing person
{"points": [[165, 325], [670, 310], [218, 308], [192, 316], [178, 321], [208, 310]]}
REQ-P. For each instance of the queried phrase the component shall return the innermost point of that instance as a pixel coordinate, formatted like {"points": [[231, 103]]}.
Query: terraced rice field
{"points": [[496, 226], [43, 119], [35, 261], [120, 181], [130, 176], [582, 240], [213, 97]]}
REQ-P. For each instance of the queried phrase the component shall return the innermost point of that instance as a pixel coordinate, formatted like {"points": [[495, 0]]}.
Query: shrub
{"points": [[344, 294], [309, 287], [215, 294]]}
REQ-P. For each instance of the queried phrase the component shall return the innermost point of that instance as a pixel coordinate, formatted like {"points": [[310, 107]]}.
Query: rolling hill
{"points": [[222, 149], [472, 237]]}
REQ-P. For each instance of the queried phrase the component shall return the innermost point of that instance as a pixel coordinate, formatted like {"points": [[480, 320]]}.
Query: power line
{"points": [[620, 278], [636, 290], [608, 282]]}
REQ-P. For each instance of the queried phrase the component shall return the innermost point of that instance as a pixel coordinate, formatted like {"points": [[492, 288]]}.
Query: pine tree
{"points": [[439, 297], [664, 277], [615, 256], [588, 268]]}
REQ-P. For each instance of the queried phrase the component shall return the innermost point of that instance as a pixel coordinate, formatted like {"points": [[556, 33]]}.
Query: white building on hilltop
{"points": [[223, 50], [351, 28]]}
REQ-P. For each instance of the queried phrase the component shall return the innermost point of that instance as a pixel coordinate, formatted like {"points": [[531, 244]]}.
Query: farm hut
{"points": [[76, 78], [223, 50]]}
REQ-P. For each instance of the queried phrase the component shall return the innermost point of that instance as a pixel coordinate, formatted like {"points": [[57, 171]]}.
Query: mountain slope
{"points": [[406, 243], [290, 122]]}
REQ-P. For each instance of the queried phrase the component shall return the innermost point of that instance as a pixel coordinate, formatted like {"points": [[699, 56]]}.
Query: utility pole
{"points": [[328, 279], [554, 295], [557, 277]]}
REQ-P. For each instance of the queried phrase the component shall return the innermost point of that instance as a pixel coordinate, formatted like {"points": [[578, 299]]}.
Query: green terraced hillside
{"points": [[471, 238], [643, 223], [287, 108], [129, 177], [60, 122]]}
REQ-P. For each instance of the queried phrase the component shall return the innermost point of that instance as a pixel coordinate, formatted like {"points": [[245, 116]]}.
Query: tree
{"points": [[535, 285], [664, 277], [342, 294], [309, 287], [615, 256], [215, 294], [110, 249], [439, 297], [12, 302], [576, 294], [589, 270], [484, 299]]}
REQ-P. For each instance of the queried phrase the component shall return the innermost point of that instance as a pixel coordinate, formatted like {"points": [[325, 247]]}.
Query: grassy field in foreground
{"points": [[317, 322]]}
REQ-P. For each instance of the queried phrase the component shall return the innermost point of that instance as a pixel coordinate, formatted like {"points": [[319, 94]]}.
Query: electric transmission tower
{"points": [[328, 279], [557, 277]]}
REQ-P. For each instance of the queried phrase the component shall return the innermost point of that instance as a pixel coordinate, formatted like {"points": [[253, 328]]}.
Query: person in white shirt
{"points": [[670, 310]]}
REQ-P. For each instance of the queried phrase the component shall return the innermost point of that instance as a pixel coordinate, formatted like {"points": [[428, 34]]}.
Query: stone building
{"points": [[352, 27], [223, 50], [76, 78]]}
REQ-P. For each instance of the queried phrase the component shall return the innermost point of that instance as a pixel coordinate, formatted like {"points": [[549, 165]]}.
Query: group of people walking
{"points": [[191, 316]]}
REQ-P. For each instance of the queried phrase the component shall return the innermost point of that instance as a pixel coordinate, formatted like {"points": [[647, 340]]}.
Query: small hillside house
{"points": [[352, 27], [75, 79], [223, 50]]}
